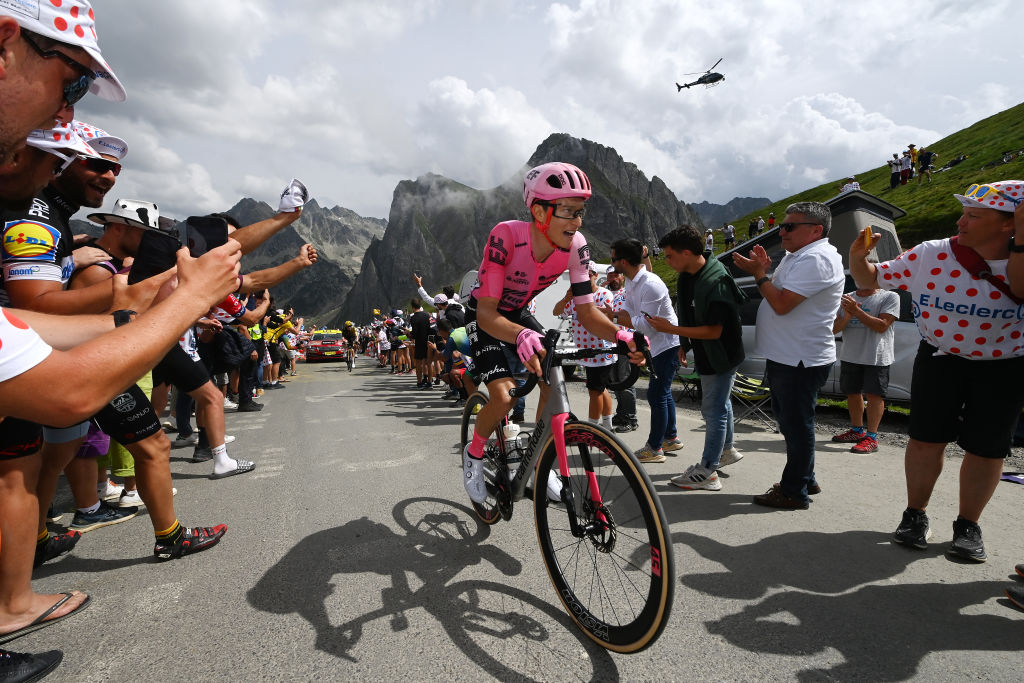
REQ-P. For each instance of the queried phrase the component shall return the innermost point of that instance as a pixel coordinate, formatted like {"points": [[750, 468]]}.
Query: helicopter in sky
{"points": [[709, 79]]}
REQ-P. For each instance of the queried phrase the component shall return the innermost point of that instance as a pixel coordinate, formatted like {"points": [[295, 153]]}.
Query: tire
{"points": [[488, 510], [617, 584]]}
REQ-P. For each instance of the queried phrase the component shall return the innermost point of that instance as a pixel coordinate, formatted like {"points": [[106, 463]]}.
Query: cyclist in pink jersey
{"points": [[522, 259]]}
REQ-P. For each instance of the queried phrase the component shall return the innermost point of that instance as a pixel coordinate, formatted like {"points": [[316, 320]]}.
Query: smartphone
{"points": [[157, 253], [203, 233], [646, 314]]}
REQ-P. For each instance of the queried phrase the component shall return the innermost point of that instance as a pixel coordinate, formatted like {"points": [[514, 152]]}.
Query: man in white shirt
{"points": [[794, 334], [647, 295]]}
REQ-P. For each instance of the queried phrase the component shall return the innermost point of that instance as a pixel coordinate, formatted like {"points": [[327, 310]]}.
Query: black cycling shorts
{"points": [[129, 418], [855, 378], [274, 349], [178, 368], [19, 438], [599, 377], [973, 402], [490, 355]]}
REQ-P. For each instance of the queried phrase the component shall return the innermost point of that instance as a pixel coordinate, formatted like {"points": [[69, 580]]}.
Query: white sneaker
{"points": [[554, 487], [730, 456], [473, 468], [698, 477], [109, 491], [130, 499], [228, 403]]}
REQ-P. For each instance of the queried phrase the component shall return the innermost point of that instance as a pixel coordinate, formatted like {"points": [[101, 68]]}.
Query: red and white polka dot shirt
{"points": [[956, 312], [21, 348], [583, 338]]}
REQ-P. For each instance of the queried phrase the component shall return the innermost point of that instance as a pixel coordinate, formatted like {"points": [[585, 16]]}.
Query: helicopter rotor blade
{"points": [[716, 63]]}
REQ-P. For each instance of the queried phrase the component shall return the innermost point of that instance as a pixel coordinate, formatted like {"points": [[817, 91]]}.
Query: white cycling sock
{"points": [[606, 421], [221, 462]]}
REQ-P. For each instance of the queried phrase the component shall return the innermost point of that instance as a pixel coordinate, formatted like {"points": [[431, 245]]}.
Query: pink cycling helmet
{"points": [[555, 180]]}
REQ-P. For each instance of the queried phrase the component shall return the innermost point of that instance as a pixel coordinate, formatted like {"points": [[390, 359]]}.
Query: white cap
{"points": [[100, 140], [61, 138]]}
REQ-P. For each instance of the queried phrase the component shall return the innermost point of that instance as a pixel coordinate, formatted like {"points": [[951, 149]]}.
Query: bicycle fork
{"points": [[579, 531]]}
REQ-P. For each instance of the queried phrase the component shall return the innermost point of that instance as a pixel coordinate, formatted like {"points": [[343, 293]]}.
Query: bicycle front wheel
{"points": [[488, 510], [616, 578]]}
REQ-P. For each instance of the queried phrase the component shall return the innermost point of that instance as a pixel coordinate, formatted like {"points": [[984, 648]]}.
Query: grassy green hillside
{"points": [[931, 209]]}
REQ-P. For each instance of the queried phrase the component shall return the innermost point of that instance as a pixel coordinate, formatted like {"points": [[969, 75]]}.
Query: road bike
{"points": [[604, 541], [350, 357]]}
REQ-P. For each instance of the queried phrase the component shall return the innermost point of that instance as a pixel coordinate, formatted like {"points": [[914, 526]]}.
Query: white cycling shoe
{"points": [[554, 487], [473, 469]]}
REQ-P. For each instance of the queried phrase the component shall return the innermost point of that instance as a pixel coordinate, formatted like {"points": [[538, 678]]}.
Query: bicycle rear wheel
{"points": [[617, 580], [488, 510]]}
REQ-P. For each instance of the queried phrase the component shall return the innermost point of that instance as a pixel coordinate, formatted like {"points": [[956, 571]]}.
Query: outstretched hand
{"points": [[660, 324], [212, 276], [307, 255], [859, 248]]}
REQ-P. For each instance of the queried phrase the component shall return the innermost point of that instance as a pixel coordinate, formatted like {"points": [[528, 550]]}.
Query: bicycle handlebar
{"points": [[553, 357]]}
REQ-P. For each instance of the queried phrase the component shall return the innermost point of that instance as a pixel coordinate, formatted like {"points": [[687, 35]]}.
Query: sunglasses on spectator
{"points": [[566, 214], [981, 191], [101, 166], [790, 227], [75, 90]]}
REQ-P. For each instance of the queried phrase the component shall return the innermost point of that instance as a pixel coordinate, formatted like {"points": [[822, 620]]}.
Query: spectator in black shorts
{"points": [[419, 322]]}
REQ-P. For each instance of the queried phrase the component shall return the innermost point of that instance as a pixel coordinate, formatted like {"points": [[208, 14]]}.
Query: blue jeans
{"points": [[659, 396], [794, 398], [716, 407]]}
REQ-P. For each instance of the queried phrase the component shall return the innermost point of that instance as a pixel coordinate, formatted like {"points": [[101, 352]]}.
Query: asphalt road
{"points": [[352, 554]]}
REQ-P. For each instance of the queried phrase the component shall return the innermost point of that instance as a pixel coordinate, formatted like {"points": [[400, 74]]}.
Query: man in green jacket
{"points": [[707, 303]]}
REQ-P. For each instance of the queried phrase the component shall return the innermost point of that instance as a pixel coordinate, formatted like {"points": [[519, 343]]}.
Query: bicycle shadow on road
{"points": [[509, 633]]}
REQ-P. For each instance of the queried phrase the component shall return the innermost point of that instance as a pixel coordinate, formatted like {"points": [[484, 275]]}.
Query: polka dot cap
{"points": [[71, 22], [60, 138], [999, 196], [100, 140]]}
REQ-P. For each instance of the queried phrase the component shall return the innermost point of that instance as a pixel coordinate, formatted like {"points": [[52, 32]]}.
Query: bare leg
{"points": [[876, 409], [978, 480], [153, 471], [81, 476], [54, 458], [923, 465], [855, 404], [19, 507], [210, 411]]}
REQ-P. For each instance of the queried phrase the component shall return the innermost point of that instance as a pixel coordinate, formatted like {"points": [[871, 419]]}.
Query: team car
{"points": [[325, 345]]}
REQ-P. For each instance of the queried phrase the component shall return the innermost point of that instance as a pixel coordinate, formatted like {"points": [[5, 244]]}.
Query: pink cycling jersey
{"points": [[510, 274]]}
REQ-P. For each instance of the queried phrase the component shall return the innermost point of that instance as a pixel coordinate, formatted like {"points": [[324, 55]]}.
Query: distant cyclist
{"points": [[350, 335], [522, 259]]}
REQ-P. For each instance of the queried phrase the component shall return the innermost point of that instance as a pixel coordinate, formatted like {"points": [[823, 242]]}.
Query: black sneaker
{"points": [[967, 543], [518, 418], [201, 454], [913, 530], [54, 546], [16, 666], [192, 540], [630, 426], [1016, 595], [250, 407], [105, 516]]}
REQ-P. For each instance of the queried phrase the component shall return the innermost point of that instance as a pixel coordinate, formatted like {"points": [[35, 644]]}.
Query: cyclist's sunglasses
{"points": [[75, 90], [567, 214], [980, 191], [790, 227], [101, 166]]}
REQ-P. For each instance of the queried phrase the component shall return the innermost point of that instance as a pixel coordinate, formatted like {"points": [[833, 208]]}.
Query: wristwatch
{"points": [[762, 280], [123, 316]]}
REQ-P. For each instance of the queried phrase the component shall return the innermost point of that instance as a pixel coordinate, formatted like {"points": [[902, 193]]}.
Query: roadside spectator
{"points": [[794, 334], [894, 171], [865, 319], [624, 419], [850, 185], [906, 166], [596, 369], [771, 220], [709, 240], [970, 365], [752, 229], [708, 302], [419, 322], [729, 235], [913, 158], [760, 225], [925, 160], [647, 295]]}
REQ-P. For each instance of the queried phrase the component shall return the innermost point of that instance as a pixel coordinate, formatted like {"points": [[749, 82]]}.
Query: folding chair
{"points": [[753, 397], [690, 387]]}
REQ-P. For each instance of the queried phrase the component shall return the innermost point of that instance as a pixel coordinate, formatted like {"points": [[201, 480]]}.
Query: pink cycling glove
{"points": [[624, 336], [528, 344]]}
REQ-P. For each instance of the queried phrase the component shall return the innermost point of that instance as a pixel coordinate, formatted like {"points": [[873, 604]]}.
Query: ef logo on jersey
{"points": [[29, 240]]}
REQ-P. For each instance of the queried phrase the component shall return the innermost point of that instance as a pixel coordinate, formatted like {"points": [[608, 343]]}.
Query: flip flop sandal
{"points": [[241, 467], [42, 622]]}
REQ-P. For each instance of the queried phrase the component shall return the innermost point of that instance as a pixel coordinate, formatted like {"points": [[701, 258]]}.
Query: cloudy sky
{"points": [[229, 98]]}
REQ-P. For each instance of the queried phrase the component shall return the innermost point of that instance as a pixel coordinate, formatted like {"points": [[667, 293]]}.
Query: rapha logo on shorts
{"points": [[123, 403]]}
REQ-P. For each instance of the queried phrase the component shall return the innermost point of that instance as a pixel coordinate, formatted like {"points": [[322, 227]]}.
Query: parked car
{"points": [[324, 345], [851, 212]]}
